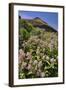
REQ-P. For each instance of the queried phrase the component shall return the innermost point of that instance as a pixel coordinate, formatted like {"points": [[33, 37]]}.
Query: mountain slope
{"points": [[37, 22]]}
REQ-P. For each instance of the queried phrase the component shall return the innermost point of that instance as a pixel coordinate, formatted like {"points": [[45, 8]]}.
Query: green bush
{"points": [[24, 24], [29, 27], [24, 34]]}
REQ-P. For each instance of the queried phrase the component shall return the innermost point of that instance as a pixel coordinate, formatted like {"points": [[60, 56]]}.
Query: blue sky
{"points": [[50, 17]]}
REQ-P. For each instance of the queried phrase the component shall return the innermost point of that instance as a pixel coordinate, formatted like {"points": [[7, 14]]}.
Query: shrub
{"points": [[24, 34], [24, 24]]}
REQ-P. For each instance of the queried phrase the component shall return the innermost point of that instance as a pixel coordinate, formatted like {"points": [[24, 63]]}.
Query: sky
{"points": [[50, 17]]}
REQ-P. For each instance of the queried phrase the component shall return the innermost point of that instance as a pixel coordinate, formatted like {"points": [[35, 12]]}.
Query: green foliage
{"points": [[36, 31], [24, 34], [26, 25], [29, 27], [40, 50], [22, 23]]}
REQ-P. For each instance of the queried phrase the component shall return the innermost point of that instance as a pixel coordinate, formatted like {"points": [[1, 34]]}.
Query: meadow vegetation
{"points": [[38, 52]]}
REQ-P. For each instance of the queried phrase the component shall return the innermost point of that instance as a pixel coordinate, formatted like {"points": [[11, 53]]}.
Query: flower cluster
{"points": [[37, 60], [38, 54]]}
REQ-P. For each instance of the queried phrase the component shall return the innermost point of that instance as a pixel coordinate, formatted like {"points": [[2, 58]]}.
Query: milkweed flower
{"points": [[47, 57], [38, 74], [28, 56], [39, 64], [37, 51], [21, 55], [52, 60], [35, 62], [38, 58], [29, 66], [23, 65], [30, 62], [43, 57], [42, 74], [36, 67]]}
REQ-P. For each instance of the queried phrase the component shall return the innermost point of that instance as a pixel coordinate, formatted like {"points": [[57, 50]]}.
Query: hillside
{"points": [[38, 49], [37, 22]]}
